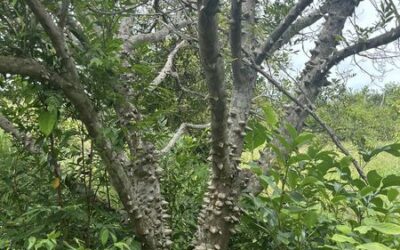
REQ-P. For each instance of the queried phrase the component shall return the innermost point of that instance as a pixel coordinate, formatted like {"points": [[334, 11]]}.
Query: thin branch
{"points": [[130, 42], [363, 45], [329, 130], [294, 12], [167, 69], [63, 14], [28, 142], [178, 134], [57, 38]]}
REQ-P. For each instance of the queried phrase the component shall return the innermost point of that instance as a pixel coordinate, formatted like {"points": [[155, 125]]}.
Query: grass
{"points": [[385, 164]]}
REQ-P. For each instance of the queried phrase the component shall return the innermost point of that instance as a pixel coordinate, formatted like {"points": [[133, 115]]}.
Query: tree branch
{"points": [[132, 41], [273, 38], [166, 70], [328, 129], [297, 26], [364, 45], [57, 38], [178, 134], [63, 16], [28, 142]]}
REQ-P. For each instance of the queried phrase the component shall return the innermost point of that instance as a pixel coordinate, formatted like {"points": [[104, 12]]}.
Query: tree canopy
{"points": [[132, 122]]}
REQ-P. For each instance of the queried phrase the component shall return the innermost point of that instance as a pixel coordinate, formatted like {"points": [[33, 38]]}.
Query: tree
{"points": [[73, 49]]}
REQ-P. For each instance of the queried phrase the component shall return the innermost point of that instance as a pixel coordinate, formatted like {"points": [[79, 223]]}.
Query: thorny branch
{"points": [[328, 129]]}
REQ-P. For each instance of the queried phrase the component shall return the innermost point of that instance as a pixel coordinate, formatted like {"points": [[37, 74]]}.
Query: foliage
{"points": [[363, 117], [311, 201]]}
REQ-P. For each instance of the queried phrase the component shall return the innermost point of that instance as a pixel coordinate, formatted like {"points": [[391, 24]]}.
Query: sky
{"points": [[367, 73]]}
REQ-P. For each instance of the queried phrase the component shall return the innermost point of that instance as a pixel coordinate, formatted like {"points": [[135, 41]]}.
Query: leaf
{"points": [[374, 179], [373, 246], [393, 149], [270, 114], [55, 183], [32, 241], [311, 218], [256, 136], [311, 180], [392, 194], [387, 228], [342, 238], [363, 229], [47, 121], [122, 245], [303, 138], [367, 190], [104, 235], [391, 180], [344, 229]]}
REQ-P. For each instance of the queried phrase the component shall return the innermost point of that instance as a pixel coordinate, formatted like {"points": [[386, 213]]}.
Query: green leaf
{"points": [[122, 245], [104, 235], [391, 180], [303, 138], [387, 228], [270, 114], [392, 194], [344, 229], [393, 149], [311, 218], [363, 229], [256, 136], [374, 179], [31, 241], [47, 121], [373, 246], [342, 238], [367, 190], [311, 180]]}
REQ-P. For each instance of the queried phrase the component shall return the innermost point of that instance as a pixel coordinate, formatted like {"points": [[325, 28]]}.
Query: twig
{"points": [[329, 130], [178, 134], [166, 70]]}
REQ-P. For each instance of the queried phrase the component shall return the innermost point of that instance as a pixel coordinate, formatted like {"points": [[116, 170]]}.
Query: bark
{"points": [[273, 38], [135, 182], [325, 56], [179, 133], [27, 141], [218, 211], [132, 41], [313, 77], [167, 69], [328, 129]]}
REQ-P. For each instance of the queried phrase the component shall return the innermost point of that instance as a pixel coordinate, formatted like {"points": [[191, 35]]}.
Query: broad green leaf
{"points": [[31, 241], [270, 114], [374, 179], [310, 218], [47, 121], [122, 246], [367, 190], [387, 228], [256, 136], [311, 180], [303, 138], [104, 235], [342, 238], [392, 194], [344, 229], [363, 229], [391, 180], [393, 149], [373, 246]]}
